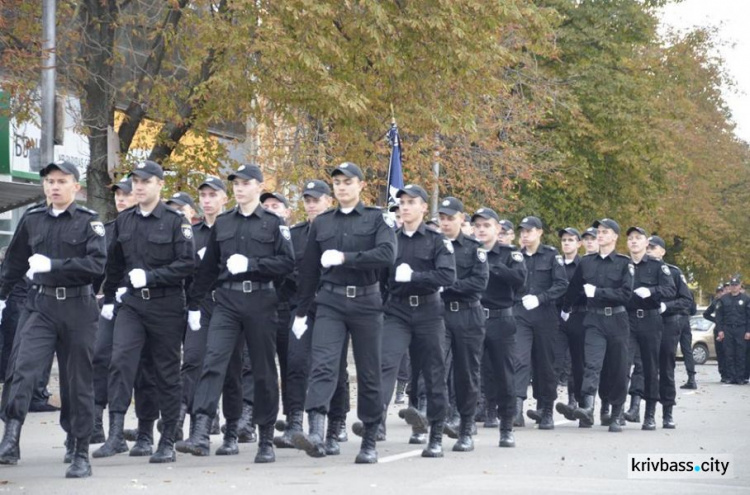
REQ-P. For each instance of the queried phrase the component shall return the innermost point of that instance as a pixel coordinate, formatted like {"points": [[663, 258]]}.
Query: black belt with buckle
{"points": [[609, 311], [642, 313], [352, 291], [497, 313], [247, 286], [577, 309], [147, 293], [63, 293], [456, 306], [416, 301]]}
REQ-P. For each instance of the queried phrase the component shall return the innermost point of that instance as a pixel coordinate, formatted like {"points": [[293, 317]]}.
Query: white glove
{"points": [[108, 311], [120, 292], [530, 302], [332, 258], [403, 273], [662, 308], [194, 320], [2, 308], [201, 253], [564, 315], [237, 263], [38, 263], [642, 292], [137, 278], [589, 290], [299, 327]]}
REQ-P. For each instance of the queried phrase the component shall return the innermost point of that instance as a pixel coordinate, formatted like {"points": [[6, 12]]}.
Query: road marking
{"points": [[563, 422], [398, 457], [688, 393]]}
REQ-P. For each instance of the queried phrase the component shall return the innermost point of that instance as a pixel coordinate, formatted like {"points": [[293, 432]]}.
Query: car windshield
{"points": [[700, 324]]}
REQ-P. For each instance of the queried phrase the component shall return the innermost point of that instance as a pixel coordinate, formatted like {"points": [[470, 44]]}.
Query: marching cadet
{"points": [[61, 248], [606, 278], [710, 315], [733, 322], [413, 313], [537, 317], [676, 315], [247, 250], [182, 202], [353, 243], [152, 249], [652, 284], [464, 318], [507, 275]]}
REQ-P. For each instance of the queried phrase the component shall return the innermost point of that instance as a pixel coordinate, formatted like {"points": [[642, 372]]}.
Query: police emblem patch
{"points": [[631, 269], [310, 185], [388, 219], [98, 228], [481, 255], [517, 256], [285, 232], [446, 203], [141, 165], [344, 165], [665, 269], [560, 260], [187, 231], [448, 245], [242, 167]]}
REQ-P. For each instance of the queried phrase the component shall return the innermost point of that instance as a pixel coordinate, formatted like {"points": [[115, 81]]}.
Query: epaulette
{"points": [[624, 256], [299, 225], [36, 209], [471, 239], [376, 208], [87, 210], [328, 211]]}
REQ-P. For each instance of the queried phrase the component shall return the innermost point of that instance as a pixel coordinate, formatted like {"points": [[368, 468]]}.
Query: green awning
{"points": [[16, 194]]}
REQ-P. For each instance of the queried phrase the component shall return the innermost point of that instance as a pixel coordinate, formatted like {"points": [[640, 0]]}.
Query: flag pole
{"points": [[390, 162]]}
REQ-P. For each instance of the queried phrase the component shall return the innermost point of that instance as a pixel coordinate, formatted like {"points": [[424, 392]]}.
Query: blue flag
{"points": [[395, 174]]}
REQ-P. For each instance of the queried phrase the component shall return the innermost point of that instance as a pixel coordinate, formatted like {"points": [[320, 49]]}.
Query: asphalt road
{"points": [[715, 419]]}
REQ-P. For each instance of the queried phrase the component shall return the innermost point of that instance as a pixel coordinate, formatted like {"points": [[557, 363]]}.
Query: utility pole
{"points": [[49, 69]]}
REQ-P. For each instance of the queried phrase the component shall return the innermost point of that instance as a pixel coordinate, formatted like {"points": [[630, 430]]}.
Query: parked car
{"points": [[703, 340]]}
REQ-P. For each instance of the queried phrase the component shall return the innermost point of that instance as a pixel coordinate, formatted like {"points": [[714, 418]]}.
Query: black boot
{"points": [[165, 450], [215, 424], [332, 443], [518, 418], [585, 411], [342, 436], [617, 422], [199, 442], [80, 468], [178, 432], [690, 384], [465, 443], [312, 443], [435, 446], [400, 392], [567, 410], [633, 414], [144, 443], [10, 451], [281, 424], [293, 425], [367, 453], [246, 428], [667, 419], [416, 419], [535, 414], [115, 443], [229, 446], [506, 432], [490, 415], [649, 419], [547, 422], [97, 436], [604, 414], [70, 448], [358, 428], [265, 445]]}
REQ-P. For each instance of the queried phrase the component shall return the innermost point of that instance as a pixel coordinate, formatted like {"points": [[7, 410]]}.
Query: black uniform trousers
{"points": [[686, 345], [563, 371], [574, 333], [404, 369], [735, 352], [636, 374], [11, 317], [645, 334], [668, 357], [487, 382], [465, 333], [193, 353], [68, 327], [606, 335], [238, 314], [721, 359], [157, 325], [362, 319], [421, 331], [500, 347], [535, 348], [299, 359], [283, 318]]}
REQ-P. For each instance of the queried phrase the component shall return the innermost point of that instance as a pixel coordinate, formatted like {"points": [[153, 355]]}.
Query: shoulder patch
{"points": [[665, 269], [517, 256], [187, 231], [388, 219], [448, 245], [285, 232], [560, 260], [98, 228], [631, 269], [87, 210], [481, 255]]}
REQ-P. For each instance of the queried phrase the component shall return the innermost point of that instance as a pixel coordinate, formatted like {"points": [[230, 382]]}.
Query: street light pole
{"points": [[49, 63]]}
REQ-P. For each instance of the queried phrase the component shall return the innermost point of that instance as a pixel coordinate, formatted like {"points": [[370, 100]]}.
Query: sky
{"points": [[731, 17]]}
